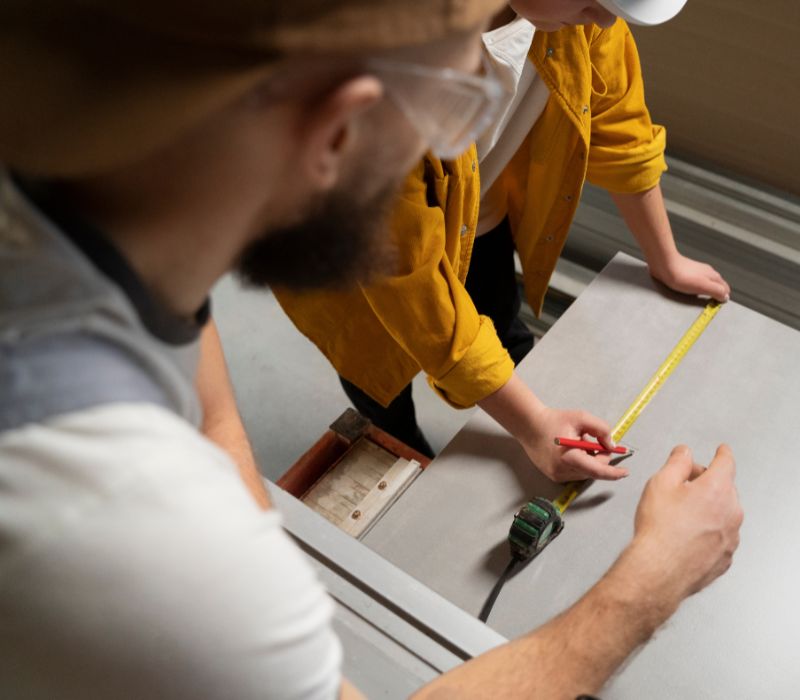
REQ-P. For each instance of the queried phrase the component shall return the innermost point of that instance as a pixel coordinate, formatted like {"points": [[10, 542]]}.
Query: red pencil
{"points": [[591, 446]]}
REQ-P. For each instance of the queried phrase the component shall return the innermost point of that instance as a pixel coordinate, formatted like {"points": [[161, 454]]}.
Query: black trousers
{"points": [[492, 284]]}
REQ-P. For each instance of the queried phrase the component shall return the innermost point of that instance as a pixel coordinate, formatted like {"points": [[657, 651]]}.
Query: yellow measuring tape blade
{"points": [[574, 488]]}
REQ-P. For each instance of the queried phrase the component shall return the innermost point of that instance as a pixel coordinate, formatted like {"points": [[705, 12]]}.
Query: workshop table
{"points": [[740, 384]]}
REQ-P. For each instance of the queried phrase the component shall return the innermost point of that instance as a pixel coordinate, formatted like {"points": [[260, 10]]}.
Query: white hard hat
{"points": [[646, 12]]}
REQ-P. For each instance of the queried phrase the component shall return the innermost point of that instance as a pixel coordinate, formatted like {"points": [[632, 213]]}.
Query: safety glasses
{"points": [[450, 109]]}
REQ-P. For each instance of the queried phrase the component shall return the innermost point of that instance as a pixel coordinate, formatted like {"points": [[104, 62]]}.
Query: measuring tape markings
{"points": [[574, 488], [539, 522]]}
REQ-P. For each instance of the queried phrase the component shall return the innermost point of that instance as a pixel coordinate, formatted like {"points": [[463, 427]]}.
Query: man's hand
{"points": [[686, 530], [221, 421], [688, 520], [690, 277]]}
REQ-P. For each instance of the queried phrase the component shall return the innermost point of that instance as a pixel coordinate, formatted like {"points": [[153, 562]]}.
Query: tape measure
{"points": [[535, 526], [574, 488], [540, 521]]}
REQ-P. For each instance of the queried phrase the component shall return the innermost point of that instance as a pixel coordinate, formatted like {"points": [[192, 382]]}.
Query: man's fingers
{"points": [[593, 467], [723, 463], [697, 470], [680, 465]]}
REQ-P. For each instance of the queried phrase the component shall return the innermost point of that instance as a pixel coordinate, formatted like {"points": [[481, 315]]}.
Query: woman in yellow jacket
{"points": [[575, 111]]}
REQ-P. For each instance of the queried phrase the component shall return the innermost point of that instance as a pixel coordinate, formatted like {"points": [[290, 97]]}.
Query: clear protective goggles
{"points": [[449, 108]]}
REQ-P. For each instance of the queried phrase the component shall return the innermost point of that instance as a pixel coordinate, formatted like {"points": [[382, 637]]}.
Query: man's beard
{"points": [[340, 243]]}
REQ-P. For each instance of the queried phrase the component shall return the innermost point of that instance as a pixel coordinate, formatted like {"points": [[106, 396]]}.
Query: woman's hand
{"points": [[690, 277], [570, 464], [535, 426]]}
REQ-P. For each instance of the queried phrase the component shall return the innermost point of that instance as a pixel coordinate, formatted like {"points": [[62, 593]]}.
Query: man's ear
{"points": [[330, 128]]}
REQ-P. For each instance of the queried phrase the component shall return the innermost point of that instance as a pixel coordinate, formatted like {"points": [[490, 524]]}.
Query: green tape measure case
{"points": [[535, 525]]}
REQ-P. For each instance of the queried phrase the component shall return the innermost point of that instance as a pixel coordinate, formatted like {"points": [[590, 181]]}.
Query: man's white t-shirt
{"points": [[133, 561], [525, 98], [135, 565]]}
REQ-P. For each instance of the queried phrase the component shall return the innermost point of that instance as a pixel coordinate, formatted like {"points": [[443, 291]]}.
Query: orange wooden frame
{"points": [[326, 452]]}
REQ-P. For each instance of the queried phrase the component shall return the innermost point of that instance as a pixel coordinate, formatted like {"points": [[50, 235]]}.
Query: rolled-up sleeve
{"points": [[482, 369], [427, 310]]}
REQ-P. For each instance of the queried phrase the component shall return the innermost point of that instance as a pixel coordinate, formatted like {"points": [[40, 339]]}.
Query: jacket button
{"points": [[549, 238], [474, 166], [568, 198], [550, 51], [464, 229], [585, 109]]}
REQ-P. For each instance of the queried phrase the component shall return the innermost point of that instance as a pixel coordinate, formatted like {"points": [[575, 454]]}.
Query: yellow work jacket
{"points": [[595, 125]]}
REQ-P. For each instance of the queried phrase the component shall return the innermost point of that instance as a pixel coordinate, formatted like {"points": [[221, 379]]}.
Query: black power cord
{"points": [[535, 526], [490, 601]]}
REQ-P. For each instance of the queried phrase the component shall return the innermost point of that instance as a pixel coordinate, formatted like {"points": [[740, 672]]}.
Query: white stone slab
{"points": [[739, 384]]}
